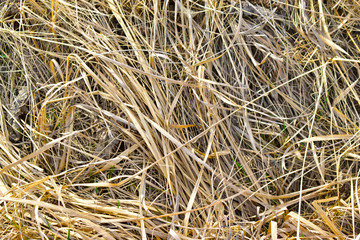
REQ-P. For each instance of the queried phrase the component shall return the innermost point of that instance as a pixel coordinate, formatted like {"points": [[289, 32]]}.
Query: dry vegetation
{"points": [[179, 119]]}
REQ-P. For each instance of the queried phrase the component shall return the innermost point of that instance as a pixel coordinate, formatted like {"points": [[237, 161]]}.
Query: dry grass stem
{"points": [[179, 119]]}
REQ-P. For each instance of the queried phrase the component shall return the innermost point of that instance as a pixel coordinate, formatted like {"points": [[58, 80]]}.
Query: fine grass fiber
{"points": [[179, 119]]}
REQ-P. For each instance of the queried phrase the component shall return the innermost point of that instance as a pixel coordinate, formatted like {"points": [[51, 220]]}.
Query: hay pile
{"points": [[179, 119]]}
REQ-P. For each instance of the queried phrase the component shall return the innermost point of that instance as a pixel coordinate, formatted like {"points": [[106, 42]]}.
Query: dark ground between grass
{"points": [[179, 119]]}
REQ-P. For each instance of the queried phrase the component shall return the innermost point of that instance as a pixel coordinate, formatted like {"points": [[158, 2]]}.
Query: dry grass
{"points": [[179, 119]]}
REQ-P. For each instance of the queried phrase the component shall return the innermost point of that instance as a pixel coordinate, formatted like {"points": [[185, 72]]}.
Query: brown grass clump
{"points": [[179, 119]]}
